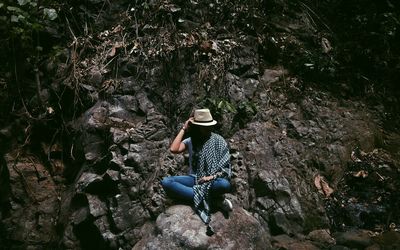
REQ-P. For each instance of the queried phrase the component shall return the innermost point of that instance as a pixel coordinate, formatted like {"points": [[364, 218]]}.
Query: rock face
{"points": [[103, 191], [116, 195], [30, 213], [180, 228]]}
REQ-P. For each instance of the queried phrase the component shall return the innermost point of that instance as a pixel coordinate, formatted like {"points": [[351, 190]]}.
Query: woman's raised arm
{"points": [[177, 146]]}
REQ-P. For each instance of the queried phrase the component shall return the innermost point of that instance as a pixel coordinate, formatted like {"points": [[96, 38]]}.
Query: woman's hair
{"points": [[196, 134]]}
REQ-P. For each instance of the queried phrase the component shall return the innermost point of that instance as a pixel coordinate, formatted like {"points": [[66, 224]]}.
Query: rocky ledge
{"points": [[179, 227]]}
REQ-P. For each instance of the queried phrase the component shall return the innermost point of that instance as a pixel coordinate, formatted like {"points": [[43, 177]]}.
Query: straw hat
{"points": [[203, 117]]}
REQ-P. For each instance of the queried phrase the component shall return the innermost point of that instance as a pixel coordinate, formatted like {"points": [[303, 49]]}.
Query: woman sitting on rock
{"points": [[209, 162]]}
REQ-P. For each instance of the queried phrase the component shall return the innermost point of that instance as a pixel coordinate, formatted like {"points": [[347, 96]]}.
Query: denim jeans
{"points": [[181, 187]]}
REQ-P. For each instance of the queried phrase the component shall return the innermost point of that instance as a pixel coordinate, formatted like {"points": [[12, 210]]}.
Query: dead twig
{"points": [[317, 16], [51, 144], [70, 30], [72, 152], [38, 87], [39, 175], [101, 10], [136, 25]]}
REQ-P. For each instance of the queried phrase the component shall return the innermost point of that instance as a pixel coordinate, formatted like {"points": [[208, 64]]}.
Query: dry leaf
{"points": [[326, 188], [354, 157], [114, 49], [361, 173], [317, 182], [322, 186]]}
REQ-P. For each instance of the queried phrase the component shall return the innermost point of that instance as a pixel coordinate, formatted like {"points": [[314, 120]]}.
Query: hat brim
{"points": [[206, 124]]}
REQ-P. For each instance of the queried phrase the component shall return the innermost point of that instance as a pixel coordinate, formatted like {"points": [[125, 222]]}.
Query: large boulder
{"points": [[179, 227]]}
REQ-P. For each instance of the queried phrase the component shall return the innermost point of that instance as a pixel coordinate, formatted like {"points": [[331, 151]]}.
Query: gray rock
{"points": [[354, 239], [129, 85], [102, 224], [118, 112], [80, 215], [299, 129], [127, 214], [236, 91], [271, 75], [180, 227], [110, 239], [136, 148], [145, 105], [136, 136], [129, 103], [97, 116], [250, 87], [69, 240], [86, 179], [112, 174], [158, 135], [285, 242], [117, 159], [96, 206], [285, 200], [134, 159], [129, 177], [93, 147], [322, 236], [119, 135]]}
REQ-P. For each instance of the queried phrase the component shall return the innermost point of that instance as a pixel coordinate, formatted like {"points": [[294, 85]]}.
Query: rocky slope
{"points": [[302, 157]]}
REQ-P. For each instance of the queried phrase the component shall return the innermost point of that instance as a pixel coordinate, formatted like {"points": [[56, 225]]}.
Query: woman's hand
{"points": [[206, 179], [187, 123]]}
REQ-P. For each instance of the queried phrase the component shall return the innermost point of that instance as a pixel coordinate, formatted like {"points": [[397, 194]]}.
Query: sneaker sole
{"points": [[228, 205]]}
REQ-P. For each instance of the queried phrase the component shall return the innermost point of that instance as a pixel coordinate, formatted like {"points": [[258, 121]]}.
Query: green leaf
{"points": [[17, 30], [36, 26], [21, 17], [51, 14], [12, 8], [14, 19], [23, 2], [1, 5], [230, 107], [220, 104]]}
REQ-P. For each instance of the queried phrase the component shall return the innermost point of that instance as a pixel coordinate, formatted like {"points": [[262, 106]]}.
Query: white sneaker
{"points": [[227, 205]]}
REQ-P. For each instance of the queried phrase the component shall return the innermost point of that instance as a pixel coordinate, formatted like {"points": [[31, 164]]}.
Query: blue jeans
{"points": [[181, 187]]}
